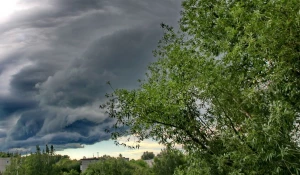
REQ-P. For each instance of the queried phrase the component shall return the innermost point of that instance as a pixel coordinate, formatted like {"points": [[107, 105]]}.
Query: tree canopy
{"points": [[167, 161], [147, 155], [225, 86]]}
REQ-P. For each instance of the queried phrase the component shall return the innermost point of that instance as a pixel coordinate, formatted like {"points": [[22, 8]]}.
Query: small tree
{"points": [[47, 149], [52, 150], [147, 155]]}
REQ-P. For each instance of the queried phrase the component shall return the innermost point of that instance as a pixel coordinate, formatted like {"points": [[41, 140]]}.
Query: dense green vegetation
{"points": [[43, 163], [118, 166], [164, 163], [226, 86], [8, 154], [168, 161], [51, 164], [147, 155]]}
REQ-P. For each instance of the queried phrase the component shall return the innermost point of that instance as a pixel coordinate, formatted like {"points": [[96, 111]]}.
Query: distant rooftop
{"points": [[93, 158]]}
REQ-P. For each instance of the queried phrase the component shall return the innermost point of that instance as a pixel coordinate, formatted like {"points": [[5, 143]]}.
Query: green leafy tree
{"points": [[140, 167], [52, 150], [167, 161], [47, 149], [226, 86], [66, 165], [15, 166], [147, 155]]}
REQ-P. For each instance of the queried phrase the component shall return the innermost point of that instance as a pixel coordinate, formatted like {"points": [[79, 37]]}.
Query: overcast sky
{"points": [[56, 57]]}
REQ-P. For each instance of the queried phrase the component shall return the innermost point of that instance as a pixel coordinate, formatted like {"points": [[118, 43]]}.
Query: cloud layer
{"points": [[56, 57]]}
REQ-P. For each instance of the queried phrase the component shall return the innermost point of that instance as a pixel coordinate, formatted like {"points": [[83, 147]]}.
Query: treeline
{"points": [[168, 162], [8, 154], [43, 162]]}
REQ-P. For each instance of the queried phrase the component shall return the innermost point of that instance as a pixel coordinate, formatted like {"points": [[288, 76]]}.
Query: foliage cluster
{"points": [[147, 155], [168, 161]]}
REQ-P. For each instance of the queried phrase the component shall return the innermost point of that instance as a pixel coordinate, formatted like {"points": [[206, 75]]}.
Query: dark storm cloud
{"points": [[34, 127], [75, 6], [29, 124], [62, 54], [3, 134], [120, 58], [26, 80], [81, 126], [11, 60], [10, 105]]}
